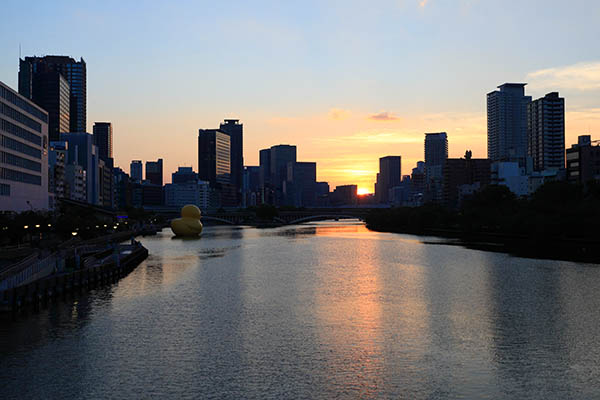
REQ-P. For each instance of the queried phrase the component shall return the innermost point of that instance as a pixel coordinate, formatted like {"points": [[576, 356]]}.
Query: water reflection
{"points": [[321, 310]]}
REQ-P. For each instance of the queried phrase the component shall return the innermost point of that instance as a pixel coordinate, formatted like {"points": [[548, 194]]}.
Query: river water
{"points": [[325, 310]]}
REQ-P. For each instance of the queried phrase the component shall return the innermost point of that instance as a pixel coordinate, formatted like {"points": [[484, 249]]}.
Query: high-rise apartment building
{"points": [[23, 153], [389, 176], [507, 123], [546, 132], [31, 70], [436, 148], [436, 154], [235, 130], [103, 138], [135, 170], [154, 172]]}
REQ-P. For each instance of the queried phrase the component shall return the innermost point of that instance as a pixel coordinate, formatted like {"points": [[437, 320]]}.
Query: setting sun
{"points": [[362, 191]]}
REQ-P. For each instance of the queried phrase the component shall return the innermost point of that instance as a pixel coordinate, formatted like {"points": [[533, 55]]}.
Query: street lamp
{"points": [[74, 233], [26, 226]]}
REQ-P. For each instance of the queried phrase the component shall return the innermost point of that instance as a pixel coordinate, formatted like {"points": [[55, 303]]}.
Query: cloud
{"points": [[581, 76], [338, 114], [383, 116], [423, 3]]}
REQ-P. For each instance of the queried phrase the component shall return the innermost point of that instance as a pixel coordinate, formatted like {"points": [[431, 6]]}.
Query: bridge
{"points": [[283, 217]]}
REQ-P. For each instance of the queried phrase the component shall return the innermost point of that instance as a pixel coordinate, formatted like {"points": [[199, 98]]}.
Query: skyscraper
{"points": [[23, 153], [281, 155], [154, 172], [213, 157], [546, 132], [389, 176], [50, 90], [75, 72], [135, 170], [507, 123], [103, 138], [301, 184], [235, 130]]}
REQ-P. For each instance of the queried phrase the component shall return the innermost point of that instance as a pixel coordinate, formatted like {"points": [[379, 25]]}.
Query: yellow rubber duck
{"points": [[189, 224]]}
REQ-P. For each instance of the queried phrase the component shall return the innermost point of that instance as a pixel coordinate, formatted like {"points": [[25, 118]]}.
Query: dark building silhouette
{"points": [[136, 170], [103, 138], [344, 195], [463, 177], [546, 132], [507, 123], [184, 175], [583, 161], [214, 165], [235, 130], [213, 157], [436, 154], [266, 189], [154, 172], [251, 186], [436, 148], [51, 91], [300, 184], [389, 176], [281, 155], [31, 70]]}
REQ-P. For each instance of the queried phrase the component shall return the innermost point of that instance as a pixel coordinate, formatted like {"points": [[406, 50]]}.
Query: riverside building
{"points": [[23, 153]]}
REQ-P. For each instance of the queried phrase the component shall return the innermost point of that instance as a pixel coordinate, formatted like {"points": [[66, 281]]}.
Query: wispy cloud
{"points": [[383, 116], [581, 76], [423, 3], [338, 114]]}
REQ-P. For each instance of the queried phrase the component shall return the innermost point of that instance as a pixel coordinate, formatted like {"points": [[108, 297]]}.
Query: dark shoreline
{"points": [[556, 249]]}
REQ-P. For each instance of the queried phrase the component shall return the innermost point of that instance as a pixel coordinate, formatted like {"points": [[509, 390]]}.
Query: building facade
{"points": [[82, 151], [23, 153], [214, 166], [546, 132], [507, 123], [190, 192], [583, 161]]}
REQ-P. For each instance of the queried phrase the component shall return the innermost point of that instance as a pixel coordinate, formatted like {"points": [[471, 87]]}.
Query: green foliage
{"points": [[266, 212], [556, 210]]}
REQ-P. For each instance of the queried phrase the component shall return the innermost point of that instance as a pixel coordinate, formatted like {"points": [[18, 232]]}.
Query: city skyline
{"points": [[320, 89]]}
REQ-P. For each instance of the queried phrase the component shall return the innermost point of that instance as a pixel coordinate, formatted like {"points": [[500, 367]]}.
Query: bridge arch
{"points": [[209, 218], [320, 217]]}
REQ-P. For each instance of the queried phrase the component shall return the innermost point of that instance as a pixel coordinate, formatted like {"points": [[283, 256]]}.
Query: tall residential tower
{"points": [[546, 132], [507, 123]]}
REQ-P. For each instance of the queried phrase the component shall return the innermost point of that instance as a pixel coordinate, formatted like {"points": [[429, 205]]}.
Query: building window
{"points": [[4, 189], [18, 176]]}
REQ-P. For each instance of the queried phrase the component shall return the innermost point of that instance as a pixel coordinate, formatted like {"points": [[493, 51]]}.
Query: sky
{"points": [[346, 81]]}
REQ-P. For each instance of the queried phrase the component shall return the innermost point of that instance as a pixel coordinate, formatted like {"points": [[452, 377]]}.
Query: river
{"points": [[323, 310]]}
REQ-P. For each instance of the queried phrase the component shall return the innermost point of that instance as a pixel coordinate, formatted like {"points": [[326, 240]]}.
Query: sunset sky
{"points": [[346, 81]]}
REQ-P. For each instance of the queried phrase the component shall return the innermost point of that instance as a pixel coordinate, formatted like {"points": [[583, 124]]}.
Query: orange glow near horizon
{"points": [[363, 191]]}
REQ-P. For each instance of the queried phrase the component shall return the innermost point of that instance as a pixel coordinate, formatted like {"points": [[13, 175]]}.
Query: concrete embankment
{"points": [[104, 268]]}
